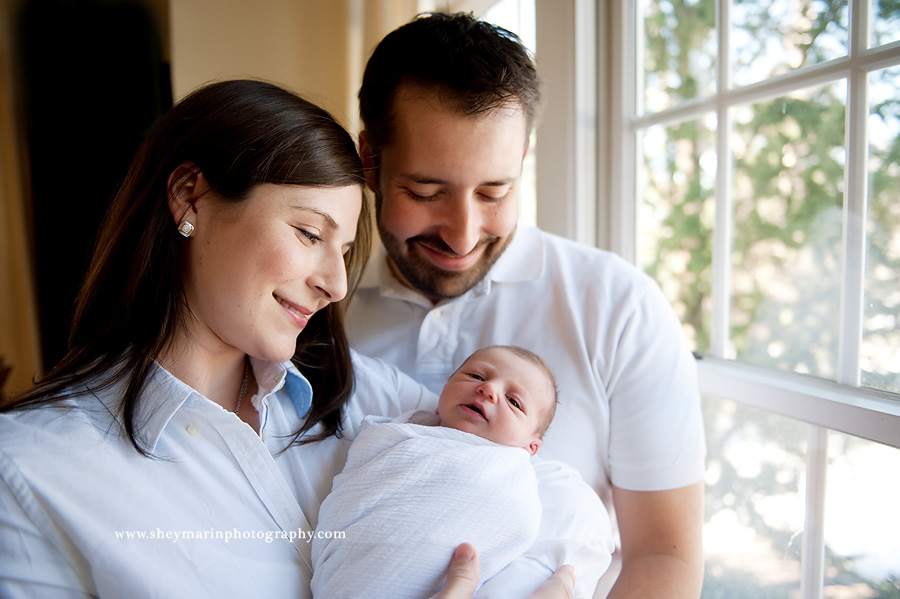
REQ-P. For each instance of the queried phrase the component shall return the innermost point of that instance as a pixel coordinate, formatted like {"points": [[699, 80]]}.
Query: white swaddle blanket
{"points": [[409, 494]]}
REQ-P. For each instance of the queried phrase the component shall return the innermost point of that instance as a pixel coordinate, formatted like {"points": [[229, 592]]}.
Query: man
{"points": [[447, 105]]}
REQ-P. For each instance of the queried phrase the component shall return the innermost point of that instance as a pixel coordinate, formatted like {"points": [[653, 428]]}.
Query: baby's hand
{"points": [[462, 579]]}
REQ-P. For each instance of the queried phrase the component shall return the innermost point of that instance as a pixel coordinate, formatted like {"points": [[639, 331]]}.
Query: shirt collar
{"points": [[164, 394], [522, 261]]}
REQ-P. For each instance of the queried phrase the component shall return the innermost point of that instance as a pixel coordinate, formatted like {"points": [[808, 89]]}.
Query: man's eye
{"points": [[422, 198], [494, 199]]}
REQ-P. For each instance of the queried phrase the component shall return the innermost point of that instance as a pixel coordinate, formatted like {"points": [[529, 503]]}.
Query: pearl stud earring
{"points": [[185, 228]]}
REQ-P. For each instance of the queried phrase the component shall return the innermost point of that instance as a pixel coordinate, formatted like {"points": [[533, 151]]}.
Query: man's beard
{"points": [[433, 282]]}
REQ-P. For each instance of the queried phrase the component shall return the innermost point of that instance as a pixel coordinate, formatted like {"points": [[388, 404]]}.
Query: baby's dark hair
{"points": [[527, 354]]}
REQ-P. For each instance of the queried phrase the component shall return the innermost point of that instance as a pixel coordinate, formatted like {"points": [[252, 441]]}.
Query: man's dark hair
{"points": [[473, 65]]}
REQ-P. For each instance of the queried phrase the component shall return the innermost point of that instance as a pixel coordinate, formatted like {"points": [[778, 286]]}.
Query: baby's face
{"points": [[499, 396]]}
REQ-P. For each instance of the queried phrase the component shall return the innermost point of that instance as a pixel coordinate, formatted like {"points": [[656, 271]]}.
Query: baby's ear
{"points": [[534, 446]]}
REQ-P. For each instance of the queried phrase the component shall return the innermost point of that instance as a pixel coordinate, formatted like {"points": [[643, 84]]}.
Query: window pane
{"points": [[880, 351], [518, 16], [862, 530], [755, 507], [676, 219], [786, 257], [885, 21], [679, 51], [769, 38]]}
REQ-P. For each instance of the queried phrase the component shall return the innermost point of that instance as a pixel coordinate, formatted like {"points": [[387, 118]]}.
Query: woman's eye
{"points": [[312, 237]]}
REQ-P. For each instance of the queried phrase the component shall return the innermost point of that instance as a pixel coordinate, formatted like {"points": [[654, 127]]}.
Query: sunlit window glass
{"points": [[678, 52], [885, 19], [676, 218], [755, 507], [786, 257], [862, 532], [769, 38], [880, 350]]}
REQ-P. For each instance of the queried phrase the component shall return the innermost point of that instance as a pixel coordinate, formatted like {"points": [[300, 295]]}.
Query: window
{"points": [[518, 16], [756, 173]]}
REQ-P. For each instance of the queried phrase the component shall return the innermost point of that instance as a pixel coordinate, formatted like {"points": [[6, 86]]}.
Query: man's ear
{"points": [[534, 446], [366, 153], [185, 186]]}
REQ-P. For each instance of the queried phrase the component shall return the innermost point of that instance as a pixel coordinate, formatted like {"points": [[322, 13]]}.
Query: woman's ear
{"points": [[185, 186], [366, 154]]}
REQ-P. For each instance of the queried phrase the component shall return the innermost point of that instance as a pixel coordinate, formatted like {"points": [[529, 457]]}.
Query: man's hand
{"points": [[462, 579], [560, 586]]}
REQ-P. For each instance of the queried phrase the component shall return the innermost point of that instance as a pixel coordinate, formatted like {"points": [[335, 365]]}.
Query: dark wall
{"points": [[94, 82]]}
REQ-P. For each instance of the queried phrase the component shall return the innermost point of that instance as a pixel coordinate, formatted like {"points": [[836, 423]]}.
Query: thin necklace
{"points": [[240, 400]]}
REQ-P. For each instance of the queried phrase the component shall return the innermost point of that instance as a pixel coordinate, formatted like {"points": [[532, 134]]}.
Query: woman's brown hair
{"points": [[239, 134]]}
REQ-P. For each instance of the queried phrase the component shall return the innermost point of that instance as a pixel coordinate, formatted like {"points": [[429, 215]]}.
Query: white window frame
{"points": [[586, 55]]}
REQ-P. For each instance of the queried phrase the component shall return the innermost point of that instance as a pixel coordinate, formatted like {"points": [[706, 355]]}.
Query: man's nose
{"points": [[462, 225]]}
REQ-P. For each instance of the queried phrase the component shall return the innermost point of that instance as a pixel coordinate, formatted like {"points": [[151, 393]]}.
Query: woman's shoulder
{"points": [[76, 418]]}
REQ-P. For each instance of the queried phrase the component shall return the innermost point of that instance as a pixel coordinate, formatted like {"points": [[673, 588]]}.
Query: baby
{"points": [[417, 486], [502, 393]]}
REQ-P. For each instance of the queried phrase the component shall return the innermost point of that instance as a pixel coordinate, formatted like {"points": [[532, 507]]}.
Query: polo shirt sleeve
{"points": [[656, 428]]}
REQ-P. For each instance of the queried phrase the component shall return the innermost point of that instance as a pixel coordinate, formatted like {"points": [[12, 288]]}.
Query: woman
{"points": [[159, 458]]}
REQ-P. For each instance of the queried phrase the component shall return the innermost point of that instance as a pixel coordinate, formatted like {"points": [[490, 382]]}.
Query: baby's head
{"points": [[503, 393]]}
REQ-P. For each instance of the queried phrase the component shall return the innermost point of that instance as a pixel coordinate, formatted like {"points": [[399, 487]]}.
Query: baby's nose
{"points": [[488, 392]]}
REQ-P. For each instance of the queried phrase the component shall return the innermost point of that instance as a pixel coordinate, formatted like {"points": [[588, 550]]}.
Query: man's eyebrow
{"points": [[332, 224], [423, 180]]}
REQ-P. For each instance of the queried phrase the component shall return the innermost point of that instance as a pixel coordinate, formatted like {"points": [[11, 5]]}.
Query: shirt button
{"points": [[262, 435], [193, 430]]}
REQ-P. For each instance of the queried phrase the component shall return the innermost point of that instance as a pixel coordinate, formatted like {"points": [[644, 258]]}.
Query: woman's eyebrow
{"points": [[332, 224]]}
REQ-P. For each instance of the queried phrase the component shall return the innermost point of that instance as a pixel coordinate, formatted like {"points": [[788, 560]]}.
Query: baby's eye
{"points": [[477, 377], [514, 403]]}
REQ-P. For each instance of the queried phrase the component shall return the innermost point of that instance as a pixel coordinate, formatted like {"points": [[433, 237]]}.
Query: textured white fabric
{"points": [[411, 493], [629, 411], [70, 480]]}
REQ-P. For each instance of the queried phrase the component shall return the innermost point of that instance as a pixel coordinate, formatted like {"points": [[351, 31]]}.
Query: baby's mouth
{"points": [[476, 409]]}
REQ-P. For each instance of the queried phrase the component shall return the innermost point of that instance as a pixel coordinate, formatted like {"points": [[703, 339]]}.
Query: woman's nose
{"points": [[330, 279]]}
